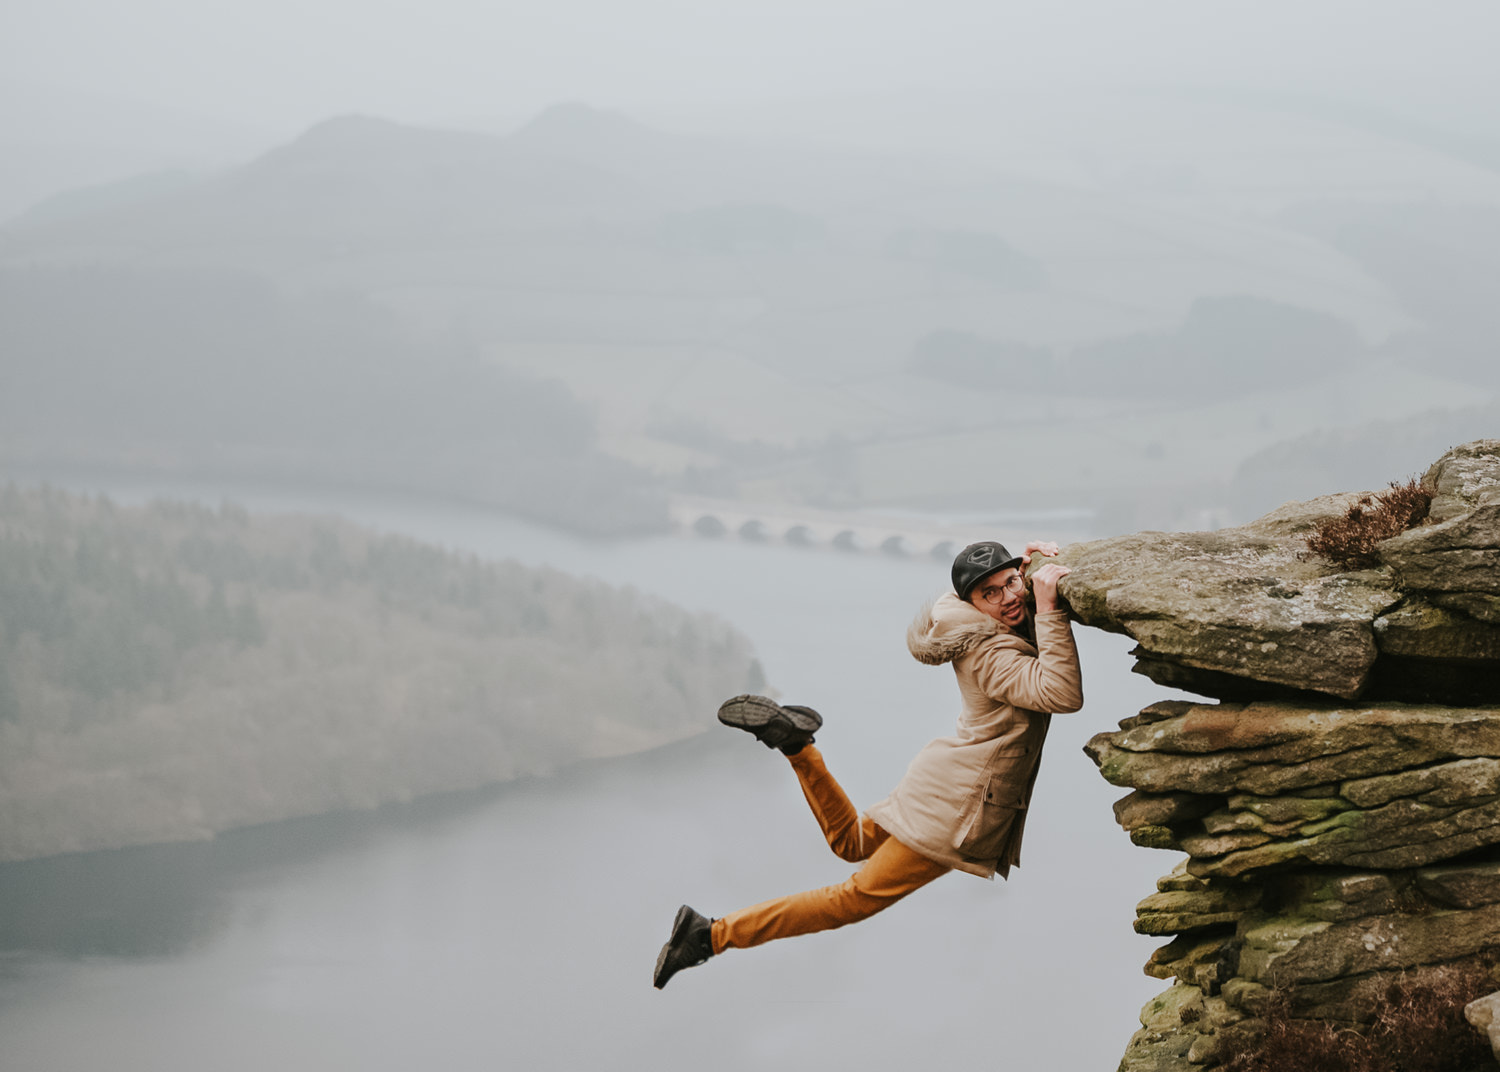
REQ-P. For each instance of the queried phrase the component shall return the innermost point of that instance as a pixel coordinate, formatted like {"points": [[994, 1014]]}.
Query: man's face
{"points": [[999, 596]]}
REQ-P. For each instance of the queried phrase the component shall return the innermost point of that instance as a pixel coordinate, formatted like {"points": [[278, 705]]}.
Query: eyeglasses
{"points": [[993, 593]]}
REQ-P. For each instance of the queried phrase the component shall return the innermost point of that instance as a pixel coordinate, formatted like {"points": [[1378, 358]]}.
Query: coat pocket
{"points": [[992, 816]]}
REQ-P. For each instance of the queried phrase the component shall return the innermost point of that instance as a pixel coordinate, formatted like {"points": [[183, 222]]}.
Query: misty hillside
{"points": [[1369, 457], [55, 140], [827, 324], [172, 671], [356, 177], [216, 374]]}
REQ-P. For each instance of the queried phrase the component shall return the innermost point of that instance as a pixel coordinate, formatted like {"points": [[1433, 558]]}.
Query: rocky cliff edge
{"points": [[1337, 796]]}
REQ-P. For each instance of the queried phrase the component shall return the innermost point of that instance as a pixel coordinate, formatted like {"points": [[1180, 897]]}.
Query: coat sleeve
{"points": [[1049, 681]]}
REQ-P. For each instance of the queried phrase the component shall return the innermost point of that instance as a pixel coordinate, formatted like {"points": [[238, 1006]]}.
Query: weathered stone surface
{"points": [[1273, 936], [1460, 554], [1153, 1051], [1405, 833], [1150, 1051], [1336, 895], [1240, 601], [1333, 850], [1166, 1034], [1161, 809], [1484, 1014], [1460, 782], [1461, 885], [1228, 821], [1419, 629], [1249, 997], [1329, 942], [1165, 1011], [1414, 785], [1465, 477], [1200, 846], [1216, 1038], [1185, 911], [1288, 809], [1183, 1029], [1348, 1001], [1286, 952], [1250, 613], [1476, 605], [1206, 959], [1179, 879], [1205, 1050], [1149, 836], [1157, 712], [1216, 683], [1270, 748]]}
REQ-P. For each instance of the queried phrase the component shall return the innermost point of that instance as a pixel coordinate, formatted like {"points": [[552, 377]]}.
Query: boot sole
{"points": [[679, 928], [750, 712]]}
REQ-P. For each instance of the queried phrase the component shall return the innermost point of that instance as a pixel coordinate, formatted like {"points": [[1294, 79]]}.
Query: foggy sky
{"points": [[1137, 222], [282, 64]]}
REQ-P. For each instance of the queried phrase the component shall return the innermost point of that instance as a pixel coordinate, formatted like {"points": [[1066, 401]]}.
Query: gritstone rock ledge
{"points": [[1337, 798]]}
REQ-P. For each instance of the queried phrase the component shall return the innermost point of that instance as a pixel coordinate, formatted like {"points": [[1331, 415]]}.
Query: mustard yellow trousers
{"points": [[890, 871]]}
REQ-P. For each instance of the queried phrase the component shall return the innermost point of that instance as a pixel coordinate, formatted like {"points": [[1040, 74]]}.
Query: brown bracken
{"points": [[1419, 1027], [1350, 539]]}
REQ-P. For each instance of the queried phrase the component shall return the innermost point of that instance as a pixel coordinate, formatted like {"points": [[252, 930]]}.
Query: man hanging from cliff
{"points": [[962, 803]]}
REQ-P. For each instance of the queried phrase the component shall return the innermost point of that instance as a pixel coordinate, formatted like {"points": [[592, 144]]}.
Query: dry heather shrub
{"points": [[1419, 1027], [1350, 540]]}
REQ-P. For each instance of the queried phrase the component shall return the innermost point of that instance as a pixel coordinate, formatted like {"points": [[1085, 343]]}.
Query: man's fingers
{"points": [[1050, 573], [1042, 547]]}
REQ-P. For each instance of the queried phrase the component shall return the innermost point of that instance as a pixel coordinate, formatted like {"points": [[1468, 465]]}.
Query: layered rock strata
{"points": [[1338, 807]]}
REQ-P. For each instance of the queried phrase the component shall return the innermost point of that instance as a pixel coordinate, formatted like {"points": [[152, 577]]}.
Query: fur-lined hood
{"points": [[948, 628]]}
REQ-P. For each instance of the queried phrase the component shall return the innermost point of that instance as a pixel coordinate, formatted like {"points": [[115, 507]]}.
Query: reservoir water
{"points": [[515, 928]]}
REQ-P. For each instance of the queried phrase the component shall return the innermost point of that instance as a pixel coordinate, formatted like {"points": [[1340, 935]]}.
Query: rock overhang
{"points": [[1250, 611], [1339, 805]]}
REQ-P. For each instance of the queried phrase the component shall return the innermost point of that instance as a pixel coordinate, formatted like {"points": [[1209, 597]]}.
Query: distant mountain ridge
{"points": [[216, 374], [365, 180], [54, 139], [787, 294], [365, 177]]}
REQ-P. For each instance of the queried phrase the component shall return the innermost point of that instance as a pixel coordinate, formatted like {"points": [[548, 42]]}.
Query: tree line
{"points": [[174, 669]]}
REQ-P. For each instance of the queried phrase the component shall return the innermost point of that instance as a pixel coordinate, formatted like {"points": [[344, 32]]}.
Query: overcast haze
{"points": [[760, 309], [284, 64]]}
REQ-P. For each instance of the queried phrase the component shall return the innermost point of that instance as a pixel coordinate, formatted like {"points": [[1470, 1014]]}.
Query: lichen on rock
{"points": [[1251, 612], [1338, 799]]}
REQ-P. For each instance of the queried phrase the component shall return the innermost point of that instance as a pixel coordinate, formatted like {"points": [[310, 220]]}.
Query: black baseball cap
{"points": [[976, 562]]}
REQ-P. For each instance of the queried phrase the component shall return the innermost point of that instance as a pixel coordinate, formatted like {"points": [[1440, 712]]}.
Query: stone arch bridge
{"points": [[899, 535]]}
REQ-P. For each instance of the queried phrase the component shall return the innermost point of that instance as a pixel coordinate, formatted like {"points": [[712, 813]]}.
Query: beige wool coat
{"points": [[964, 798]]}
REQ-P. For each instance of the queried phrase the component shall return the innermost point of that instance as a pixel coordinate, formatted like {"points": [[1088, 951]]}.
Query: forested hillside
{"points": [[172, 671]]}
